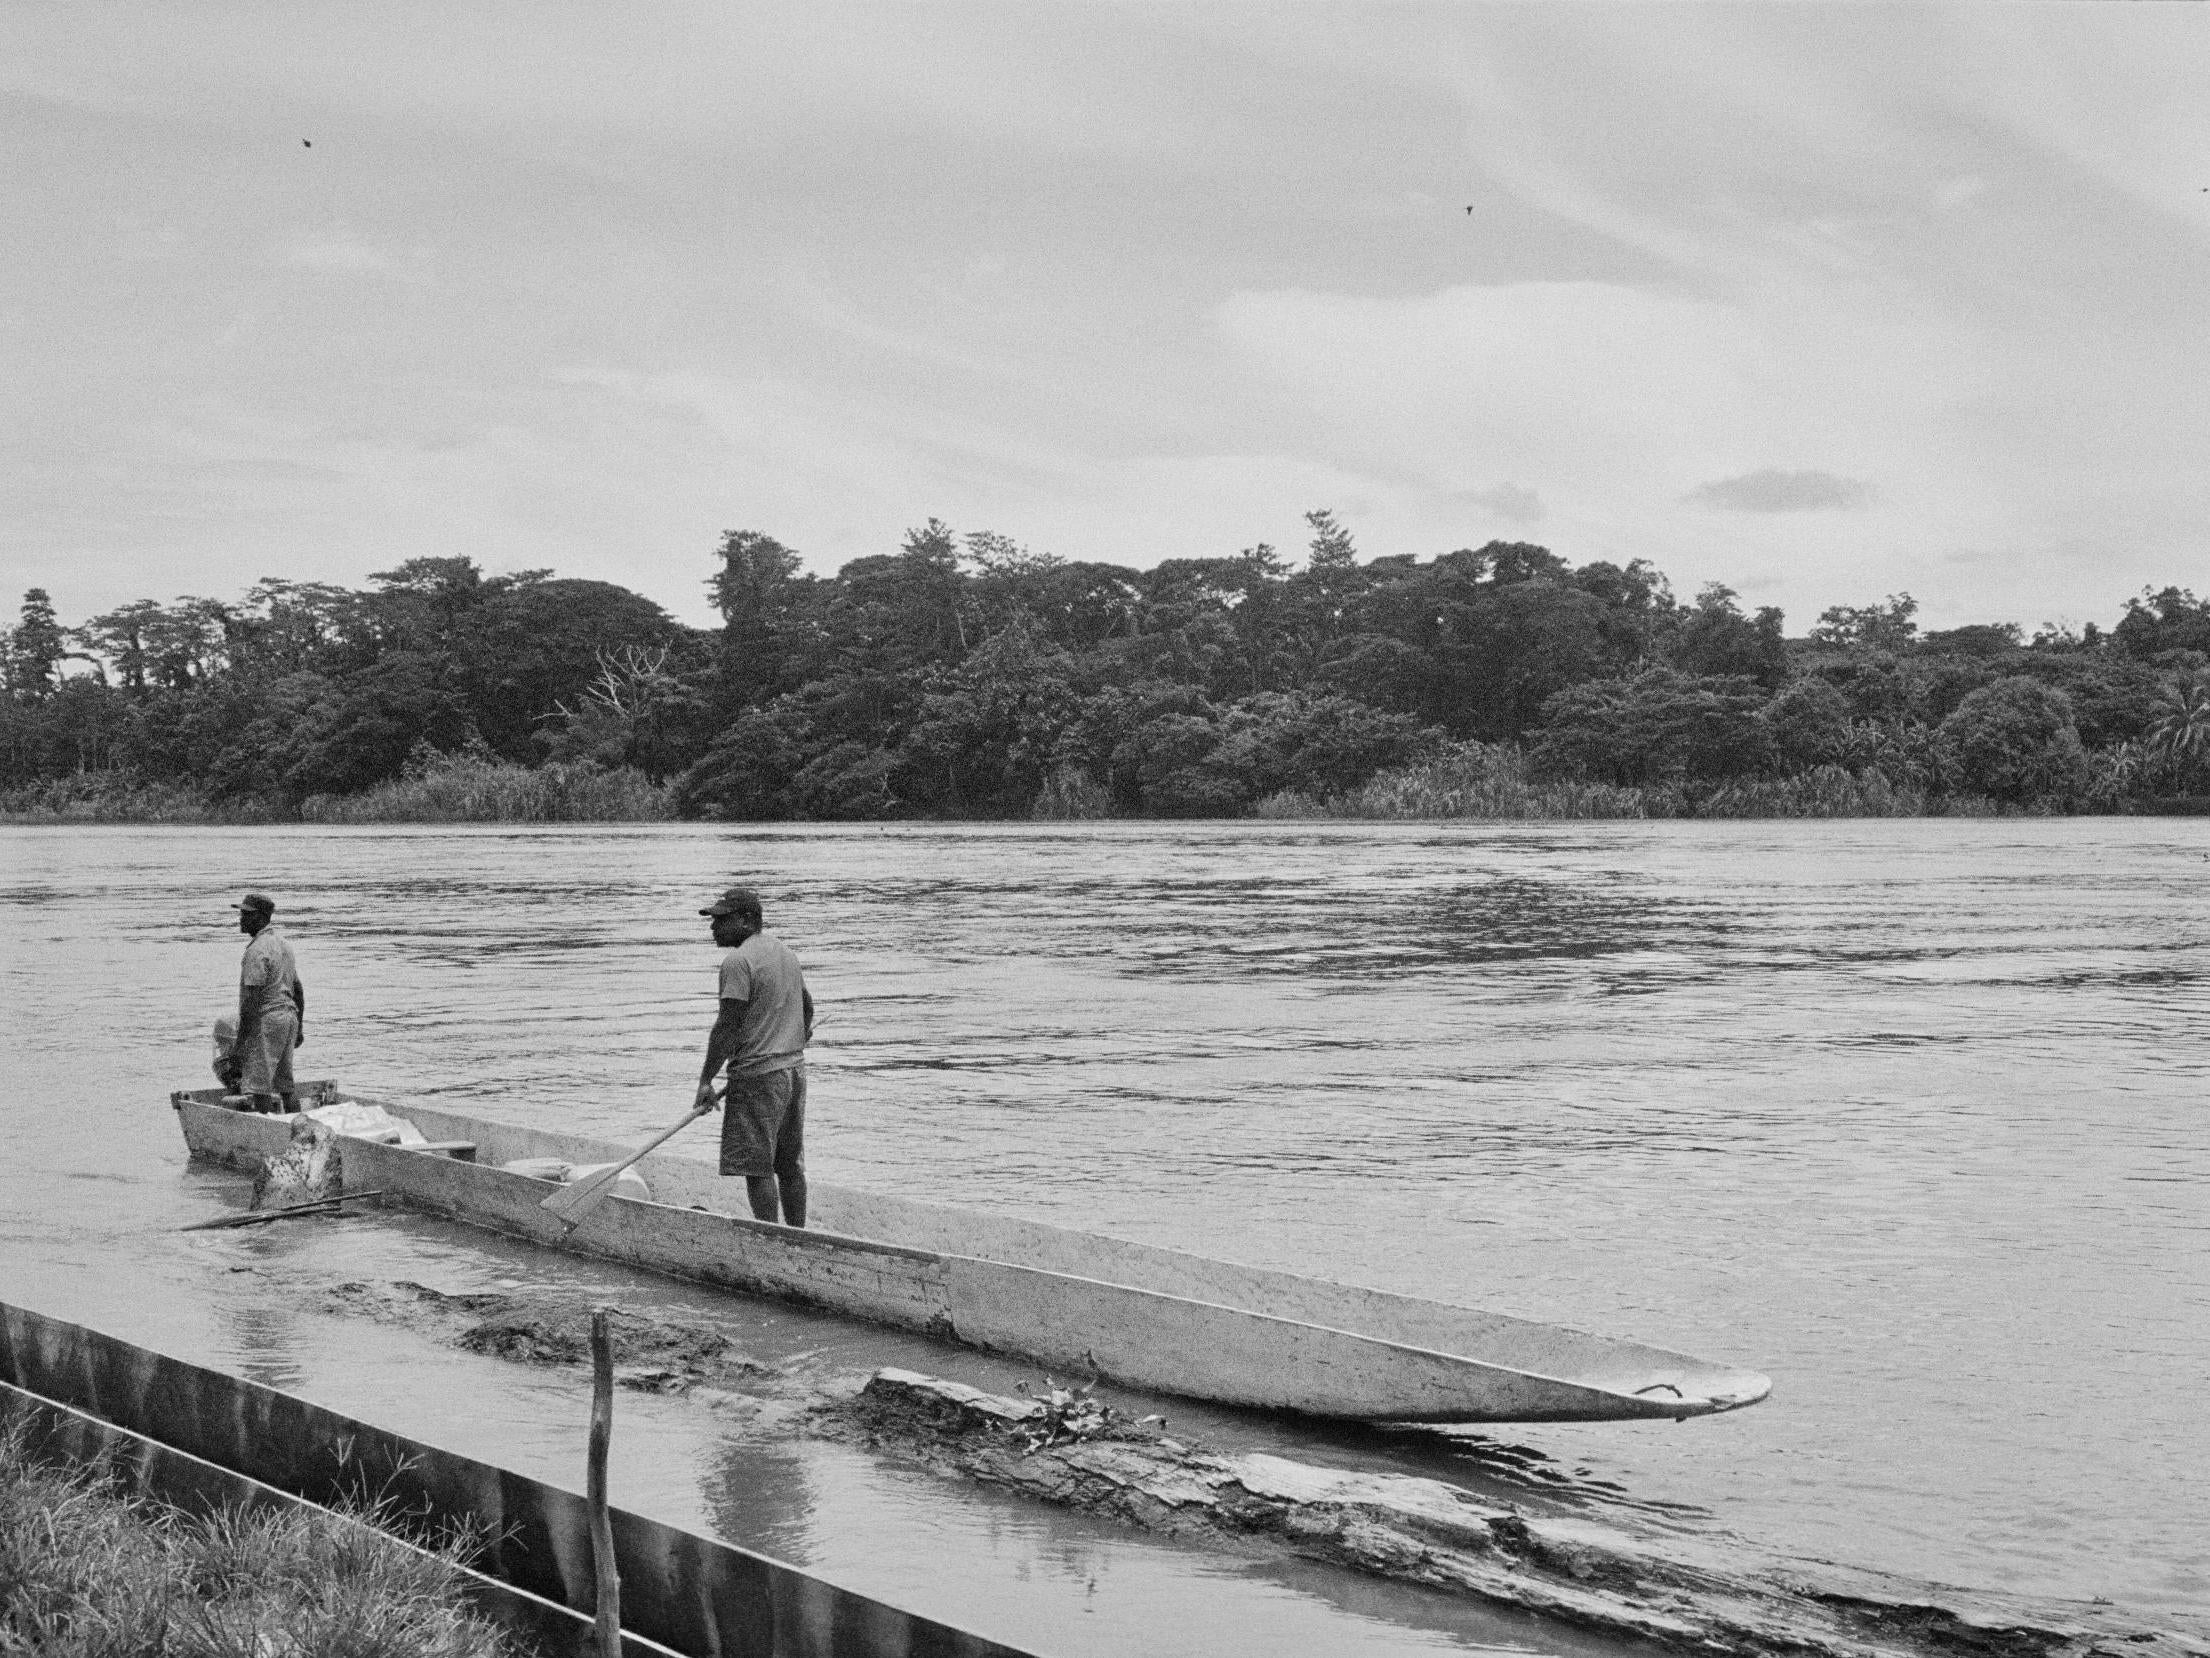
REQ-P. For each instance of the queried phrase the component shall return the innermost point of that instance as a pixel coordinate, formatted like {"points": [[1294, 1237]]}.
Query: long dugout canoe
{"points": [[1157, 1319], [202, 1439]]}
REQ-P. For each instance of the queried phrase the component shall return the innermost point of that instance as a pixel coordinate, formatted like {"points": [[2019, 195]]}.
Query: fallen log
{"points": [[651, 1354], [1669, 1590]]}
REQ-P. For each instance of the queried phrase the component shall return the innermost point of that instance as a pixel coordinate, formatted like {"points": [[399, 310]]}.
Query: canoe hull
{"points": [[1147, 1318]]}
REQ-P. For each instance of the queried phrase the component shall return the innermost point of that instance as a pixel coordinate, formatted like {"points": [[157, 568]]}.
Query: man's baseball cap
{"points": [[736, 901], [257, 901]]}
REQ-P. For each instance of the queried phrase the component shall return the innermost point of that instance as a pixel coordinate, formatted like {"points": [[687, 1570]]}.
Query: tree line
{"points": [[965, 676]]}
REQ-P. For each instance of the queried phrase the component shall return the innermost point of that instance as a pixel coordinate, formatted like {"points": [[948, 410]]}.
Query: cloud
{"points": [[778, 451], [1772, 490], [343, 253], [981, 270], [1524, 377], [1954, 193], [1507, 500]]}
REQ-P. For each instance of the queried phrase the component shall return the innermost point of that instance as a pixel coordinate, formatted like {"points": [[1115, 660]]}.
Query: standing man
{"points": [[766, 1021], [272, 1009]]}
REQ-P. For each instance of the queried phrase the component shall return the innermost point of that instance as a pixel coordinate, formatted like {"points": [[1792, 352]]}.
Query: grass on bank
{"points": [[1469, 781], [1490, 781], [462, 788], [118, 797], [467, 789], [1486, 780], [88, 1573]]}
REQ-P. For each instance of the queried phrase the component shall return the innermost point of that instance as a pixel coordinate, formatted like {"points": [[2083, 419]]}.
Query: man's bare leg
{"points": [[763, 1193], [777, 1197]]}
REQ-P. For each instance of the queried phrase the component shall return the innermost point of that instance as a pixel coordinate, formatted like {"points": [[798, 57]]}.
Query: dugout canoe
{"points": [[1150, 1318], [206, 1441]]}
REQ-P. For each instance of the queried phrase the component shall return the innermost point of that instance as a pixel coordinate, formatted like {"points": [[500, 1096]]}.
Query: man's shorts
{"points": [[265, 1053], [763, 1124]]}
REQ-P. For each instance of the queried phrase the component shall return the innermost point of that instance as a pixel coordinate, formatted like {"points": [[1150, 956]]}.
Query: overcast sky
{"points": [[1822, 302]]}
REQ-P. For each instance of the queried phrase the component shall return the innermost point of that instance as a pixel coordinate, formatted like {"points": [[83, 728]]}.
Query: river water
{"points": [[1911, 1115]]}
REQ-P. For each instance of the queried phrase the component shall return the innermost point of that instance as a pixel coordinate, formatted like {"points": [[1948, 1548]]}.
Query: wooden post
{"points": [[602, 1524]]}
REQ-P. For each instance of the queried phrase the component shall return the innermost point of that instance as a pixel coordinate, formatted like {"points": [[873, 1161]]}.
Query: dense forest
{"points": [[964, 676]]}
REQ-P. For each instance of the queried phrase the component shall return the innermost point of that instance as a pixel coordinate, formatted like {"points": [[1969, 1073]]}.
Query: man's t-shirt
{"points": [[268, 977], [762, 973]]}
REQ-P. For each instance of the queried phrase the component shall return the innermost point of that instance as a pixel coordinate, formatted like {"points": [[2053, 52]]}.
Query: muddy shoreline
{"points": [[1063, 1447]]}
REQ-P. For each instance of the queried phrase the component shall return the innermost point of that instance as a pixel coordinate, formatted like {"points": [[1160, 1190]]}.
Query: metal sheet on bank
{"points": [[685, 1591], [145, 1467]]}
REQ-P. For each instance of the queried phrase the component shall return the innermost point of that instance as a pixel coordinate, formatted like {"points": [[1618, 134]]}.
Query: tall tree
{"points": [[2015, 740], [119, 636], [753, 592], [1320, 594], [2170, 620], [524, 650], [36, 647], [1331, 548], [1657, 727], [185, 641], [1886, 626], [2179, 741], [1715, 638], [933, 588]]}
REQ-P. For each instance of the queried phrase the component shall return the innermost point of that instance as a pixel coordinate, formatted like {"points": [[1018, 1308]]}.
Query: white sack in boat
{"points": [[629, 1183], [367, 1122]]}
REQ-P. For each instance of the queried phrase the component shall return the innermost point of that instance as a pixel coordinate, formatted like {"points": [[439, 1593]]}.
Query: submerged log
{"points": [[1673, 1591], [651, 1354]]}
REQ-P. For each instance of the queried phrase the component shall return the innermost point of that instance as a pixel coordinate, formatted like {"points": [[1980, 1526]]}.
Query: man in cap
{"points": [[272, 1009], [766, 1021]]}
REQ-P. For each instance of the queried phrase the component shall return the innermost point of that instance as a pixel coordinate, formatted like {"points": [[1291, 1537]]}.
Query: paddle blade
{"points": [[571, 1203]]}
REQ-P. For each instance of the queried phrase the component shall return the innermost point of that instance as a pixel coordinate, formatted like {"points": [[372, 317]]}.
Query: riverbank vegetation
{"points": [[966, 677], [476, 786], [88, 1573]]}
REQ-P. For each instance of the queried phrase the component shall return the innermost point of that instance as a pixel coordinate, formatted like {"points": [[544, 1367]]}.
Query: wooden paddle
{"points": [[571, 1203]]}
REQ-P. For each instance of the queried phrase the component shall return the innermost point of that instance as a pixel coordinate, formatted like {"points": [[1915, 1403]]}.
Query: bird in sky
{"points": [[309, 143]]}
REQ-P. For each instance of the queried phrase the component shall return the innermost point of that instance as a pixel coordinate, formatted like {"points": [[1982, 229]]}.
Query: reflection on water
{"points": [[759, 1493], [264, 1339], [1908, 1114]]}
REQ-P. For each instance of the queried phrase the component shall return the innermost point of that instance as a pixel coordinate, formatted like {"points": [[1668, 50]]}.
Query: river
{"points": [[1909, 1114]]}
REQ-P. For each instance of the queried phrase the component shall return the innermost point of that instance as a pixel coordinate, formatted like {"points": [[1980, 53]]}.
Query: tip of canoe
{"points": [[1744, 1388]]}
